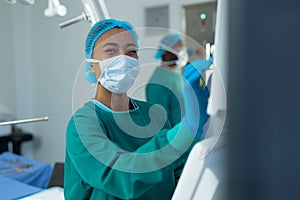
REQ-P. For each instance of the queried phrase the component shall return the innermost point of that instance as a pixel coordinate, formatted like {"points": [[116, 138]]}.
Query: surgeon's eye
{"points": [[111, 51], [132, 52]]}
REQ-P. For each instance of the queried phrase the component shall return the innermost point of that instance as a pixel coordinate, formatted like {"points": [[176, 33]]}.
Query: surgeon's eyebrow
{"points": [[110, 44], [116, 45], [130, 44]]}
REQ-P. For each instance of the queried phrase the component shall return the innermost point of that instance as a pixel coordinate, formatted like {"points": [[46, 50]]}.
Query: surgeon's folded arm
{"points": [[89, 149]]}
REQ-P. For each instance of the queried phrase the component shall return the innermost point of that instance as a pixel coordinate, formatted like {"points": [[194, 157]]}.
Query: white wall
{"points": [[39, 62], [7, 71], [43, 60], [133, 10], [7, 85]]}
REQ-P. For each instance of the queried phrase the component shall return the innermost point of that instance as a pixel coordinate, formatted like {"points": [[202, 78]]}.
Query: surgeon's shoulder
{"points": [[86, 112], [88, 108]]}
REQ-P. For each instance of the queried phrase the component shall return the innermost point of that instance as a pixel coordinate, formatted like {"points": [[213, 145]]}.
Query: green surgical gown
{"points": [[105, 160], [165, 87]]}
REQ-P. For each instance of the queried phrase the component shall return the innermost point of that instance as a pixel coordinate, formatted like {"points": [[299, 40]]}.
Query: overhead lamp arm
{"points": [[25, 2], [93, 11]]}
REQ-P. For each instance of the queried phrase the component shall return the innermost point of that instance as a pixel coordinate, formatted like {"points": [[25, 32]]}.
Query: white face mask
{"points": [[182, 59], [118, 73]]}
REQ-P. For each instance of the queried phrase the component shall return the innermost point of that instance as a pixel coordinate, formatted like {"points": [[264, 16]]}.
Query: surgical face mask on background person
{"points": [[182, 59], [117, 73]]}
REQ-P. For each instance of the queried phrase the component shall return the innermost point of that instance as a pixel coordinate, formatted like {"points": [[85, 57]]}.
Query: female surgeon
{"points": [[118, 147]]}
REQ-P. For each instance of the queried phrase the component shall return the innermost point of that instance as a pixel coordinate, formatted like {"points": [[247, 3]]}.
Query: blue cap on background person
{"points": [[166, 43], [96, 31]]}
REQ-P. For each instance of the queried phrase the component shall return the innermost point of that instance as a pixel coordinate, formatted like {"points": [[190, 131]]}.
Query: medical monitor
{"points": [[204, 173]]}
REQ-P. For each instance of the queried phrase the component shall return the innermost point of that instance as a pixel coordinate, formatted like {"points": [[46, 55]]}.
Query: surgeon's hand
{"points": [[195, 97]]}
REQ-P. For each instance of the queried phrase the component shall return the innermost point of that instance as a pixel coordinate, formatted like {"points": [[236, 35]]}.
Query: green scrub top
{"points": [[165, 87], [105, 161]]}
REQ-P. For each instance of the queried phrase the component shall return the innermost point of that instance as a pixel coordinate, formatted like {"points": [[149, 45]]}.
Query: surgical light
{"points": [[55, 8], [25, 2], [93, 11]]}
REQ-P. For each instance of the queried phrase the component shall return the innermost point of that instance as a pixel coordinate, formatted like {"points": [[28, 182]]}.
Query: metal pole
{"points": [[24, 121], [73, 20]]}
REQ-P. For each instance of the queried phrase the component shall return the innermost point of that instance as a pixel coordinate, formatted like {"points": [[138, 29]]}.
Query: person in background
{"points": [[165, 86], [116, 146]]}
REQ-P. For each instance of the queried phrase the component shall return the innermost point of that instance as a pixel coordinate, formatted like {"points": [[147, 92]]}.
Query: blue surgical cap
{"points": [[167, 41], [96, 31]]}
